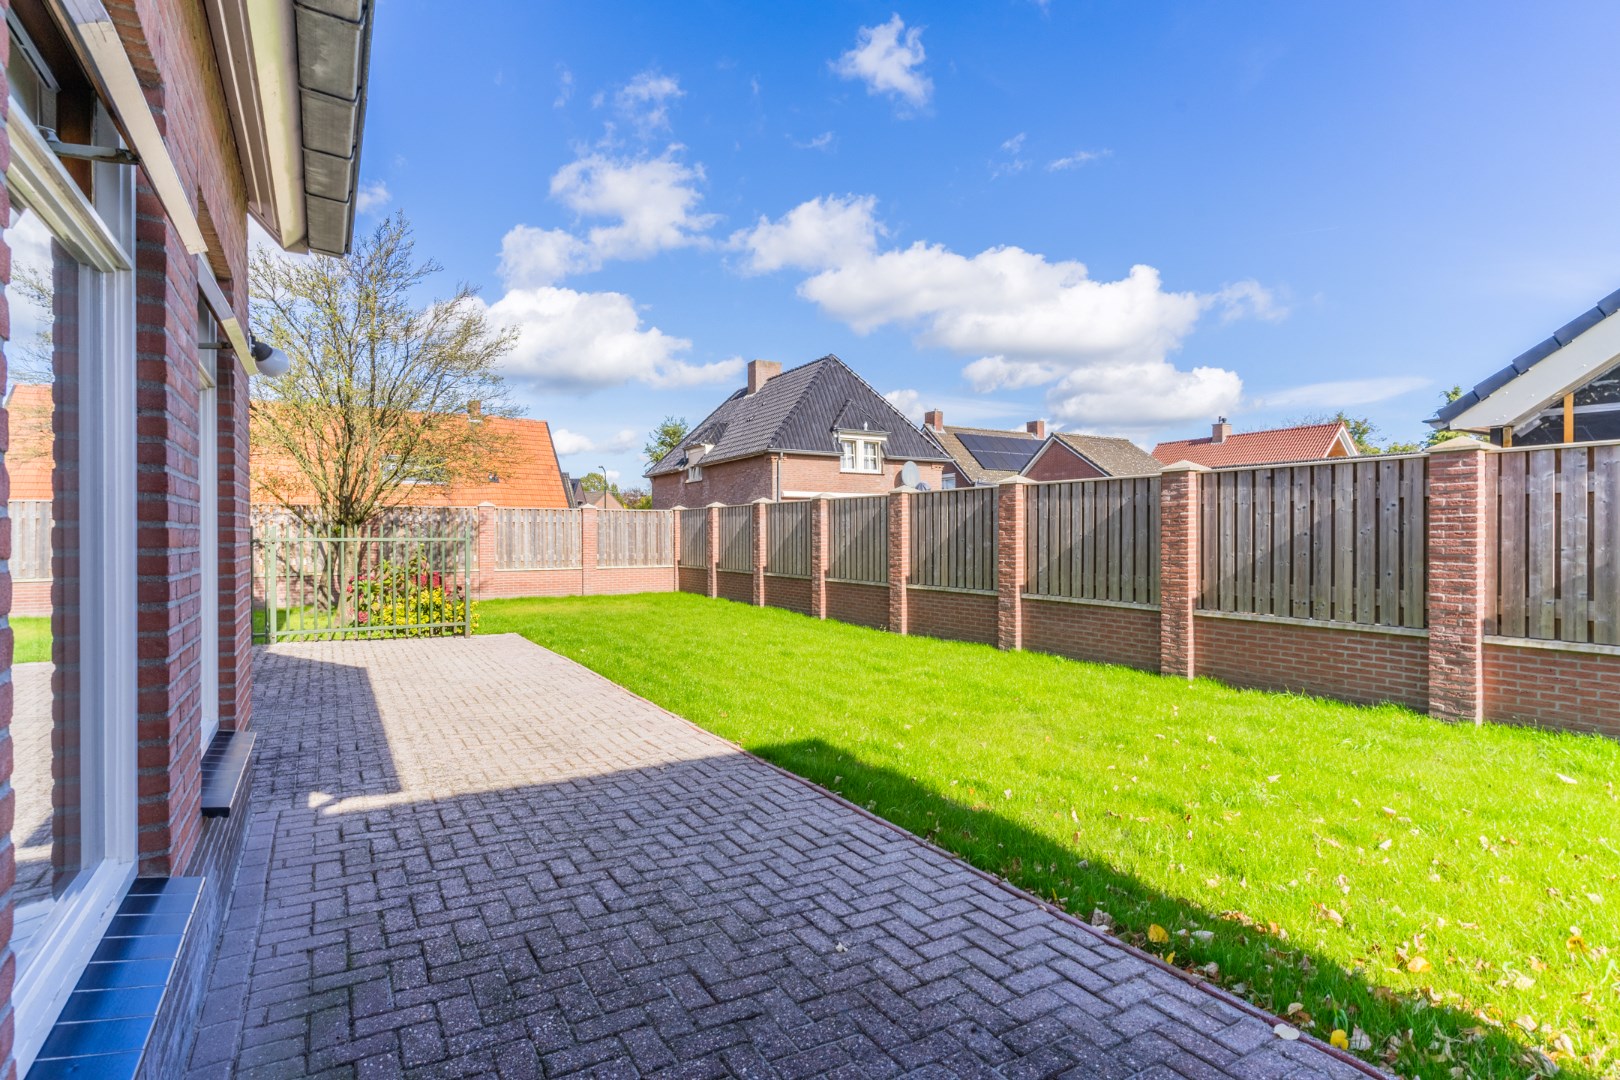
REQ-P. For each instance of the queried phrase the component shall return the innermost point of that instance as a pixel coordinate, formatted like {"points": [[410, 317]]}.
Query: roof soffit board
{"points": [[1563, 372]]}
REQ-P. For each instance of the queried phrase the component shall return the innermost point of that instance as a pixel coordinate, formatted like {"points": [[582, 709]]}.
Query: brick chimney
{"points": [[1220, 431], [1036, 428], [761, 372], [934, 420]]}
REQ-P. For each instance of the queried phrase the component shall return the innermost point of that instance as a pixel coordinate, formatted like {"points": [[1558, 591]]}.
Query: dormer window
{"points": [[694, 461], [860, 452]]}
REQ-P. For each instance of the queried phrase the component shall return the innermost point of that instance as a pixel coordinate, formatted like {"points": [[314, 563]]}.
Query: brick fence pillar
{"points": [[1179, 487], [485, 543], [675, 547], [1012, 497], [712, 523], [1458, 588], [761, 527], [819, 554], [587, 550], [899, 558]]}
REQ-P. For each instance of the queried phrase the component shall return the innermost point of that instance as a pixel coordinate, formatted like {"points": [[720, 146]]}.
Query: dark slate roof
{"points": [[1528, 359], [1114, 456], [801, 411]]}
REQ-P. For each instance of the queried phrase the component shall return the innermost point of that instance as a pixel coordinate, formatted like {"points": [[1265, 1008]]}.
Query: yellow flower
{"points": [[1339, 1039]]}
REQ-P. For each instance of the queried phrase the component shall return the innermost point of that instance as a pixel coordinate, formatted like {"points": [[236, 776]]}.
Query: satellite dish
{"points": [[909, 475], [922, 485]]}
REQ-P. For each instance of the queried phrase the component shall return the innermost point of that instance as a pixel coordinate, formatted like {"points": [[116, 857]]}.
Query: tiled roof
{"points": [[1528, 359], [802, 410], [966, 462], [1114, 456], [1309, 442]]}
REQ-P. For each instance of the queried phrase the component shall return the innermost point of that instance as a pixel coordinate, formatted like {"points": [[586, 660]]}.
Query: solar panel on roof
{"points": [[1005, 453]]}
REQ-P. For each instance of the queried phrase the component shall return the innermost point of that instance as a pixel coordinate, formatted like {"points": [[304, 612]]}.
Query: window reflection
{"points": [[42, 397]]}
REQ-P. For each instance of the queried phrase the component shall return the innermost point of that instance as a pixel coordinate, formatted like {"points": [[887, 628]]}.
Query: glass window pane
{"points": [[43, 400]]}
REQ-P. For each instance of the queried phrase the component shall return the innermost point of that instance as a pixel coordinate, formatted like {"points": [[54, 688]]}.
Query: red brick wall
{"points": [[1574, 691], [694, 579], [1059, 462], [958, 616], [747, 479], [736, 585], [865, 605], [1362, 666], [1097, 632], [787, 592], [30, 597]]}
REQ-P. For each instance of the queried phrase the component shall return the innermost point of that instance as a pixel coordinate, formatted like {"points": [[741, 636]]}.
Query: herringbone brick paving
{"points": [[474, 857]]}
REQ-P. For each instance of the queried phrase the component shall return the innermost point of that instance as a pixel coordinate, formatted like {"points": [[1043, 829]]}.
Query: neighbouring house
{"points": [[580, 495], [1305, 442], [1564, 390], [818, 429], [1066, 456], [139, 137], [525, 474], [984, 456]]}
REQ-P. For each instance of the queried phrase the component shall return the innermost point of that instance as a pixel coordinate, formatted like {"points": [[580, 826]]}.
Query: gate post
{"points": [[1458, 588], [899, 559], [675, 547], [1012, 497], [1179, 490], [761, 524], [818, 557], [484, 560]]}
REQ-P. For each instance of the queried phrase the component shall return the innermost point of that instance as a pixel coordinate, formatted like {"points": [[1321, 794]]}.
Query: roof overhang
{"points": [[1563, 372], [294, 75]]}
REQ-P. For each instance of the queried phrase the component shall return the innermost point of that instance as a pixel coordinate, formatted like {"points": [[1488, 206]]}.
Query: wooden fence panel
{"points": [[30, 539], [537, 539], [1557, 522], [737, 538], [1336, 541], [787, 536], [1078, 551], [694, 538], [858, 536], [633, 538], [953, 539]]}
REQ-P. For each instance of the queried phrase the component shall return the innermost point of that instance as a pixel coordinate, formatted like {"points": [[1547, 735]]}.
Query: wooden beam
{"points": [[1569, 418]]}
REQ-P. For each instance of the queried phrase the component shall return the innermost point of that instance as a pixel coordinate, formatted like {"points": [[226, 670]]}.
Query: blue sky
{"points": [[1126, 218]]}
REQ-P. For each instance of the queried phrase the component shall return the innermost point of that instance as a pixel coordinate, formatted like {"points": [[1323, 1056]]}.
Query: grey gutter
{"points": [[334, 60]]}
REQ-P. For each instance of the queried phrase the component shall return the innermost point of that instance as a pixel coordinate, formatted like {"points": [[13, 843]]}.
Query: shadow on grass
{"points": [[1253, 961]]}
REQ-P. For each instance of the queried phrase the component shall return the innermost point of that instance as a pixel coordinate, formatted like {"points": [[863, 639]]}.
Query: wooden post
{"points": [[587, 550], [899, 558], [1012, 499], [1179, 488], [1569, 418], [1458, 600], [819, 556], [675, 547]]}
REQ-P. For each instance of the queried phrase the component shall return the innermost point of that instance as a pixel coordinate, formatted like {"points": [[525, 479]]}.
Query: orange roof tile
{"points": [[1308, 442]]}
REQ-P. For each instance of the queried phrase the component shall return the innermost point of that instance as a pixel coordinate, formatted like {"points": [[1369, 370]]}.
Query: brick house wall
{"points": [[746, 479], [1060, 462]]}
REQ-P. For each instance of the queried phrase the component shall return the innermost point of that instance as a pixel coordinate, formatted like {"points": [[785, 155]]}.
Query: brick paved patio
{"points": [[474, 857]]}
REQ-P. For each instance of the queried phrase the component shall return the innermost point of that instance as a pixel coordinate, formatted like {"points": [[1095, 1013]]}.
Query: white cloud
{"points": [[1079, 157], [1342, 393], [909, 402], [565, 87], [572, 442], [820, 142], [816, 235], [1011, 161], [645, 100], [371, 196], [569, 340], [1101, 348], [651, 204], [888, 59]]}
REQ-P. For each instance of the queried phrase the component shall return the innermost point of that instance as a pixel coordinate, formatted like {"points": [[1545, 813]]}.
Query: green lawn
{"points": [[1451, 891], [31, 637]]}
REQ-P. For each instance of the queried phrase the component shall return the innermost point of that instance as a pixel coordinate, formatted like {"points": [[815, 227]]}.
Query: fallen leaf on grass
{"points": [[1340, 1039], [1158, 934], [1417, 964], [1286, 1032], [1565, 779]]}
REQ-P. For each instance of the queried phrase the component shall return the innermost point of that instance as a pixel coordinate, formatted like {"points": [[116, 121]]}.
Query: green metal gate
{"points": [[327, 588]]}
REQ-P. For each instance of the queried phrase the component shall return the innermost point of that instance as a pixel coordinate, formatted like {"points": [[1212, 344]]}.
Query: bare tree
{"points": [[385, 391]]}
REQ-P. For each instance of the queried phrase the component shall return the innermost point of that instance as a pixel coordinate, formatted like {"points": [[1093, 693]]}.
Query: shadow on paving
{"points": [[693, 912], [1038, 865]]}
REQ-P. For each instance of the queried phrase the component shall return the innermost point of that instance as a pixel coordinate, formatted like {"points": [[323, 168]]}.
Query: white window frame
{"points": [[208, 522], [851, 449], [100, 237], [694, 473]]}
